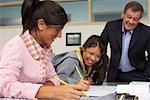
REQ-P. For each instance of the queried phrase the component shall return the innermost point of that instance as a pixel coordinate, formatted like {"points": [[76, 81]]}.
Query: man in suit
{"points": [[130, 46]]}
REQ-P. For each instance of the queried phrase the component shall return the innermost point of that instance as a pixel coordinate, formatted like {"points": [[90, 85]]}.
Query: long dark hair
{"points": [[51, 12], [26, 14], [99, 69], [95, 41]]}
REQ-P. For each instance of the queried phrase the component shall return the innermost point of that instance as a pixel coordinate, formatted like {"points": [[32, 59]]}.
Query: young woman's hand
{"points": [[84, 84], [64, 92]]}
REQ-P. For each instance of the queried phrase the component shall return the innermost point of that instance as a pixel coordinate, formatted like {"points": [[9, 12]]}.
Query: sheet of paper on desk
{"points": [[139, 83], [142, 91], [96, 90], [133, 89]]}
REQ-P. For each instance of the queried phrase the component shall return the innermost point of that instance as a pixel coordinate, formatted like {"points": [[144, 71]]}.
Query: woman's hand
{"points": [[84, 84], [64, 92]]}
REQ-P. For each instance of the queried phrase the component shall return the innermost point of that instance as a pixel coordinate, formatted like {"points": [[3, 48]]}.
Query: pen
{"points": [[88, 78], [63, 82], [78, 71], [57, 78]]}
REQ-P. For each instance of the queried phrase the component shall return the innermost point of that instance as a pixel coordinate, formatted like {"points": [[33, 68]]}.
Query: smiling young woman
{"points": [[26, 70], [90, 59]]}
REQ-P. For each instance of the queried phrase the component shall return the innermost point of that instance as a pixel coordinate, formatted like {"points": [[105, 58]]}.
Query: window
{"points": [[77, 11], [105, 10]]}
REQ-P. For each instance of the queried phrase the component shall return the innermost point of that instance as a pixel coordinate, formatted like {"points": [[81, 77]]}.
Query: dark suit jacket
{"points": [[140, 42]]}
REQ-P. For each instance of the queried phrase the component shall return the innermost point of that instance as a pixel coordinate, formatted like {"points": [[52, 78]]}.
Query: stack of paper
{"points": [[140, 89], [139, 83]]}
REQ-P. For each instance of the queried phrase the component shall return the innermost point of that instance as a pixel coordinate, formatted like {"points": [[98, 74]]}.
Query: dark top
{"points": [[139, 44]]}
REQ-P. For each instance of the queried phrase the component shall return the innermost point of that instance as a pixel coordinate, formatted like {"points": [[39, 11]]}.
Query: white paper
{"points": [[101, 90], [139, 83], [140, 90]]}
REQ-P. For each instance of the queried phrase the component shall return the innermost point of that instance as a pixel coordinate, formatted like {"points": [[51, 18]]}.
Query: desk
{"points": [[106, 97], [110, 96]]}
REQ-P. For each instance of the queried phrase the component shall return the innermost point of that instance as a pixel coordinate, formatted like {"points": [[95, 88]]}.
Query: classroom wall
{"points": [[6, 33], [59, 45]]}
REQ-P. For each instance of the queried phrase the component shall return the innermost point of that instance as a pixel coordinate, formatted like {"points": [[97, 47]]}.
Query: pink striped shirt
{"points": [[24, 68], [36, 51]]}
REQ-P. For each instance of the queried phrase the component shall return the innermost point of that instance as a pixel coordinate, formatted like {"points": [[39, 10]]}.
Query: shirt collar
{"points": [[123, 31], [33, 47]]}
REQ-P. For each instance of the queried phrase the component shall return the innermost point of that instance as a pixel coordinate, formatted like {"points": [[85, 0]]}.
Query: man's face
{"points": [[131, 19]]}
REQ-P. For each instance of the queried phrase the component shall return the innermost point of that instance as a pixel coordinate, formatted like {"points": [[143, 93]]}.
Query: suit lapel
{"points": [[135, 36], [119, 38], [119, 34]]}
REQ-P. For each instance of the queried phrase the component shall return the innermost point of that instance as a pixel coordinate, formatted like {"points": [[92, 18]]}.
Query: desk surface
{"points": [[106, 97], [110, 96]]}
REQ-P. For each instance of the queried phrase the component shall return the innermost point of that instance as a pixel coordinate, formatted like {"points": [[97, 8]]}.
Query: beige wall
{"points": [[59, 45], [6, 33]]}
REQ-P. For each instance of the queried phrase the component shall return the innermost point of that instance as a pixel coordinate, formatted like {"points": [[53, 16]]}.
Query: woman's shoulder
{"points": [[67, 56], [72, 53], [13, 49], [15, 44]]}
